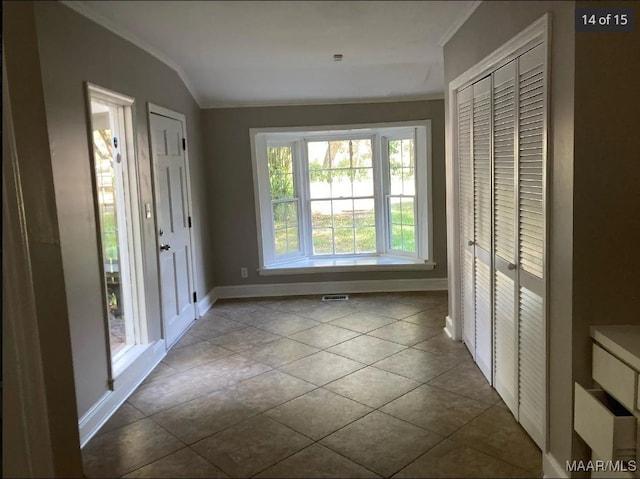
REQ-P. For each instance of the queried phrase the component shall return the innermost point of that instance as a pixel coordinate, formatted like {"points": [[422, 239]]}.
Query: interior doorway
{"points": [[173, 221]]}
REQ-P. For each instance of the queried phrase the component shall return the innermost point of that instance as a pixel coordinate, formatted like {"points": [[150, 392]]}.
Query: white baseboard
{"points": [[551, 467], [125, 384], [449, 328], [330, 287], [205, 303]]}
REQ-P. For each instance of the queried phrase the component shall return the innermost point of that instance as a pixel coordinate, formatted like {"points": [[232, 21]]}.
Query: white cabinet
{"points": [[608, 428], [607, 417]]}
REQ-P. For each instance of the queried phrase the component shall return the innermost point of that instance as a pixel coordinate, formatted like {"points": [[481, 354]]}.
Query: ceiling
{"points": [[245, 53]]}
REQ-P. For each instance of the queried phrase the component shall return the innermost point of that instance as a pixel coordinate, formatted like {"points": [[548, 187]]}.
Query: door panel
{"points": [[502, 173], [531, 407], [465, 100], [531, 238], [178, 307], [505, 311], [482, 183]]}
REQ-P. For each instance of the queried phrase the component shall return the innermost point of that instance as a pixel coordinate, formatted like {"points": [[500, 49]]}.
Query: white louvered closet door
{"points": [[466, 207], [481, 134], [505, 325], [531, 241]]}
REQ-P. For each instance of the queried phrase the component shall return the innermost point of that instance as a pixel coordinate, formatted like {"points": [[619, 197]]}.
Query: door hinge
{"points": [[195, 297], [189, 221], [184, 143]]}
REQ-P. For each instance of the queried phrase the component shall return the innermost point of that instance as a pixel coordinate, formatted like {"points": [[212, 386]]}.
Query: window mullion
{"points": [[305, 205], [379, 189]]}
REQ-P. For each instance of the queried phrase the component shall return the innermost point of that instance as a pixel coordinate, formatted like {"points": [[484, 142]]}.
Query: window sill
{"points": [[344, 265], [127, 359]]}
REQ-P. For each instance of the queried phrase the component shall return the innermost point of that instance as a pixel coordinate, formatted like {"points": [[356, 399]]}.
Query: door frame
{"points": [[174, 115], [539, 32]]}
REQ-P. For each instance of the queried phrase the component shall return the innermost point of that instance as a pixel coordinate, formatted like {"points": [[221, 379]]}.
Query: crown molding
{"points": [[459, 22], [398, 99], [84, 9]]}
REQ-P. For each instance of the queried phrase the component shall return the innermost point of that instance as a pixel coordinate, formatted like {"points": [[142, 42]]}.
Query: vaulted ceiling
{"points": [[240, 53]]}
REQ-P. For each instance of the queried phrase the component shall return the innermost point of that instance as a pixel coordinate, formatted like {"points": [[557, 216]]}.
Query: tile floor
{"points": [[369, 387]]}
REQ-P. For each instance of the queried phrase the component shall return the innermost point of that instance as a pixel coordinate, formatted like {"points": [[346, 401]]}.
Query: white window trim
{"points": [[125, 111], [384, 258]]}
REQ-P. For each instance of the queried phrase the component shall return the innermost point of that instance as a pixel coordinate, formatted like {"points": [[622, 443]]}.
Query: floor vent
{"points": [[335, 297]]}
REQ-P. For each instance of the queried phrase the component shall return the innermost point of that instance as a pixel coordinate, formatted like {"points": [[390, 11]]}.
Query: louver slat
{"points": [[504, 186], [482, 169], [505, 354], [531, 178], [466, 219], [531, 345], [483, 316]]}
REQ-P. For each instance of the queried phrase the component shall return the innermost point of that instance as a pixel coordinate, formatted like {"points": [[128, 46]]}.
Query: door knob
{"points": [[165, 247], [470, 243], [511, 266], [161, 233]]}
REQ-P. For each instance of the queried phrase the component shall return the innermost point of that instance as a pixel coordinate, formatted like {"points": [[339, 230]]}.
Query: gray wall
{"points": [[490, 26], [74, 50], [234, 240], [22, 66], [606, 211]]}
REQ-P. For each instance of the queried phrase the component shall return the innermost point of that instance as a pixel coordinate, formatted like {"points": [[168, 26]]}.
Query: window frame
{"points": [[379, 133], [304, 160], [122, 114], [422, 185], [295, 167]]}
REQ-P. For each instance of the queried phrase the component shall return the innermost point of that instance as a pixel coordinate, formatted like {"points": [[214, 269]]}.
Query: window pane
{"points": [[366, 240], [408, 181], [406, 152], [292, 240], [344, 240], [113, 209], [279, 216], [341, 183], [362, 181], [364, 213], [292, 214], [407, 211], [396, 237], [320, 183], [280, 172], [339, 154], [285, 224], [408, 239], [395, 212], [321, 214], [402, 224], [402, 167], [343, 213], [361, 153], [322, 241], [281, 241]]}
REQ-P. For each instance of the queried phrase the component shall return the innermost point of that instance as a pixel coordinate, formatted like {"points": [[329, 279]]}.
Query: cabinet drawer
{"points": [[615, 377], [607, 427]]}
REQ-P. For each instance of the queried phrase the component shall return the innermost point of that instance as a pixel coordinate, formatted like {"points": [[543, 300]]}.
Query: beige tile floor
{"points": [[297, 387]]}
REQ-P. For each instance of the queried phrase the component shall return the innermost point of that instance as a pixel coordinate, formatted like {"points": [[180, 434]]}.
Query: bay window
{"points": [[343, 198]]}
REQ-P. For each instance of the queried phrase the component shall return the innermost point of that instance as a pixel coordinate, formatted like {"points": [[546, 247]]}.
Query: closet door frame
{"points": [[537, 33]]}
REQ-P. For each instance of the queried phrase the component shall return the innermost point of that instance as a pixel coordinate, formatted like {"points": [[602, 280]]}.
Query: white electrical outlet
{"points": [[244, 273]]}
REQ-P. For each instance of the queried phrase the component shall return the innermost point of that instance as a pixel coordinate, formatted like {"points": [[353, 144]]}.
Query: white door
{"points": [[531, 241], [465, 168], [481, 128], [505, 311], [173, 223]]}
